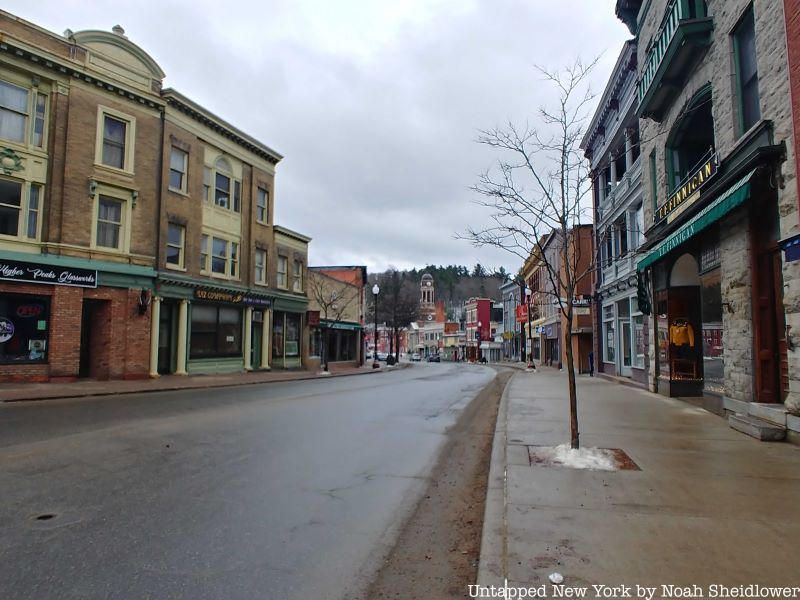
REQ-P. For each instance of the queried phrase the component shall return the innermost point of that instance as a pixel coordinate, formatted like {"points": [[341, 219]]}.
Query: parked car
{"points": [[416, 357], [434, 358], [382, 356]]}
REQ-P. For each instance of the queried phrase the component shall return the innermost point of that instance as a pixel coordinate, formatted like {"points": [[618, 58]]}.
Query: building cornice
{"points": [[74, 70], [206, 117], [292, 234], [624, 69]]}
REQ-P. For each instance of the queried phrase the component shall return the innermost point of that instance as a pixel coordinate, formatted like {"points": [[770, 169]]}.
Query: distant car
{"points": [[434, 358], [382, 355], [416, 357]]}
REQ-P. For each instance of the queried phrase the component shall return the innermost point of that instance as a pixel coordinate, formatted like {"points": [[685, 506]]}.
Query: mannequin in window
{"points": [[681, 333]]}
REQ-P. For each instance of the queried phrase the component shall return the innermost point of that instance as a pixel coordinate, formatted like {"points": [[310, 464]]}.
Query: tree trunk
{"points": [[573, 394]]}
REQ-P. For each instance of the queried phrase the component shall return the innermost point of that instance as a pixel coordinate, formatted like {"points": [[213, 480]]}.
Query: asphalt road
{"points": [[290, 490]]}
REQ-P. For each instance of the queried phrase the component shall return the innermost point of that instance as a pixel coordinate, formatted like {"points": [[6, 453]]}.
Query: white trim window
{"points": [[178, 162], [34, 209], [13, 112], [10, 207], [223, 255], [206, 185], [204, 253], [219, 256], [227, 190], [17, 105], [262, 204], [115, 139], [260, 270], [297, 276], [283, 272], [176, 235], [110, 224]]}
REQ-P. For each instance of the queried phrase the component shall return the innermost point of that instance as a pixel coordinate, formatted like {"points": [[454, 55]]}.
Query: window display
{"points": [[711, 301], [216, 331], [24, 326]]}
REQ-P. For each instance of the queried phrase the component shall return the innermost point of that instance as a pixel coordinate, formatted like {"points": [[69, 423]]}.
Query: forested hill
{"points": [[456, 283]]}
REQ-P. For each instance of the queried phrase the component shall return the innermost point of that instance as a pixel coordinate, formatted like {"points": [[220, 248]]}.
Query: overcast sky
{"points": [[375, 104]]}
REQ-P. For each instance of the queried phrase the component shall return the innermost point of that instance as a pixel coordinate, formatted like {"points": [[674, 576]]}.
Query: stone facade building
{"points": [[720, 195], [136, 227], [612, 146]]}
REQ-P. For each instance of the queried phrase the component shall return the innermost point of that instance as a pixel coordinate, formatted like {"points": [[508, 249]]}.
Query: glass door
{"points": [[625, 346]]}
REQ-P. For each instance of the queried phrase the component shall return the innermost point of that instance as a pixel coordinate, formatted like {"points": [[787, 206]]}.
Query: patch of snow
{"points": [[595, 459], [323, 373], [556, 578]]}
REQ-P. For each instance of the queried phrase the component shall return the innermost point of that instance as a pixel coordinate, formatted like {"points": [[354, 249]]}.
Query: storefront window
{"points": [[315, 343], [608, 333], [292, 334], [711, 301], [24, 323], [216, 331], [277, 334], [638, 341], [662, 324]]}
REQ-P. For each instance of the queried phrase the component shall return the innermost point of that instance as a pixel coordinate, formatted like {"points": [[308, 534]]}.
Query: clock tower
{"points": [[427, 301]]}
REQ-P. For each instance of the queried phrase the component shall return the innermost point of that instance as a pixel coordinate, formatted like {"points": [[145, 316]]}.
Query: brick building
{"points": [[546, 327], [720, 194], [337, 299], [78, 197], [135, 226]]}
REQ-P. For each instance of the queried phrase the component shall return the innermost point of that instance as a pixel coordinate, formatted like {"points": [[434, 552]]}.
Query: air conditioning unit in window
{"points": [[38, 345]]}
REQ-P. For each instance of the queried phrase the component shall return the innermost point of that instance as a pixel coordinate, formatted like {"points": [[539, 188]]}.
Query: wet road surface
{"points": [[290, 490]]}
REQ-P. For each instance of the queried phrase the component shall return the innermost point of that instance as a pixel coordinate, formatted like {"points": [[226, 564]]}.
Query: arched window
{"points": [[226, 191], [691, 141]]}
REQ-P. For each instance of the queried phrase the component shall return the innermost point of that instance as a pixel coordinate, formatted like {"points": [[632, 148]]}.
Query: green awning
{"points": [[340, 325], [733, 197]]}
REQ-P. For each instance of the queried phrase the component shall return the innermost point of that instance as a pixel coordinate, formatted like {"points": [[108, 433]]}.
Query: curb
{"points": [[201, 386], [494, 548]]}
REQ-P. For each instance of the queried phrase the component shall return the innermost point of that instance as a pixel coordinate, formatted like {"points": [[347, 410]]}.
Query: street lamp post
{"points": [[375, 291], [528, 294], [478, 354]]}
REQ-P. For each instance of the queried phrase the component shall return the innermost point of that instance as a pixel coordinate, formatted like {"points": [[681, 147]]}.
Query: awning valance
{"points": [[733, 197], [345, 326]]}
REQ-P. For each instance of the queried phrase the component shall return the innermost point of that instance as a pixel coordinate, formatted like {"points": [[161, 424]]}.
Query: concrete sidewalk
{"points": [[709, 505], [18, 392]]}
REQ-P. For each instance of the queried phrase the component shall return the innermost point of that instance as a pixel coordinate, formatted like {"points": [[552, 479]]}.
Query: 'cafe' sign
{"points": [[687, 194]]}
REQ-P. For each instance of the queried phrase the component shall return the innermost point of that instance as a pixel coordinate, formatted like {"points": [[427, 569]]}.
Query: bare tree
{"points": [[537, 195], [333, 298], [398, 305]]}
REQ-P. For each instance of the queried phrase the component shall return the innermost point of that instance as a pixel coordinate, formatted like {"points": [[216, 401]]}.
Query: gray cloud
{"points": [[375, 112]]}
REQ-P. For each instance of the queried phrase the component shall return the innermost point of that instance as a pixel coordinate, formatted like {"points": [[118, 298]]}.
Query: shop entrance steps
{"points": [[760, 429]]}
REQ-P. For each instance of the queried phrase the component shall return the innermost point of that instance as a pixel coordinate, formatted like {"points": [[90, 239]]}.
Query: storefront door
{"points": [[625, 347], [166, 337], [255, 353], [769, 337]]}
